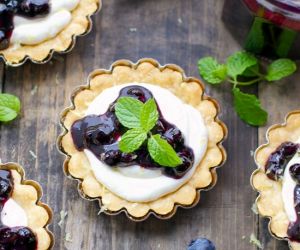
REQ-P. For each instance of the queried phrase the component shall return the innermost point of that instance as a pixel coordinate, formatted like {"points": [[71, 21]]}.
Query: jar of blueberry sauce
{"points": [[275, 28]]}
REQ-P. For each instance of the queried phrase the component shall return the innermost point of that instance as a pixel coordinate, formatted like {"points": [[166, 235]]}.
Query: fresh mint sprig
{"points": [[140, 118], [9, 107], [243, 69]]}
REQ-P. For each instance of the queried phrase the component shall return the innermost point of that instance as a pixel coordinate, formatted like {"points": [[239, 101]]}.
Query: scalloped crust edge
{"points": [[146, 68], [28, 193], [63, 43], [269, 201]]}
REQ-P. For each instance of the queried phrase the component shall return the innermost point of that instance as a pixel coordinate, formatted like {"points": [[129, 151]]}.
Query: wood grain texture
{"points": [[171, 31]]}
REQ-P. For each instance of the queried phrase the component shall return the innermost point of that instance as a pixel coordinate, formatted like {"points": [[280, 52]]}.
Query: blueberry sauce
{"points": [[25, 8], [15, 238], [100, 135], [275, 168], [279, 159]]}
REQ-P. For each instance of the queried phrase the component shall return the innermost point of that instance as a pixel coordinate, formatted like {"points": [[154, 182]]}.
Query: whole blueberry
{"points": [[295, 172], [201, 244]]}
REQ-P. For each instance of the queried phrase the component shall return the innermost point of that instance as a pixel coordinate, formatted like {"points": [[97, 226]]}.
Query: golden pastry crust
{"points": [[27, 194], [191, 91], [41, 53], [269, 201]]}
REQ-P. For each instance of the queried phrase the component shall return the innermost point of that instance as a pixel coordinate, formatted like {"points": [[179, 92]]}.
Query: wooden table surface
{"points": [[171, 31]]}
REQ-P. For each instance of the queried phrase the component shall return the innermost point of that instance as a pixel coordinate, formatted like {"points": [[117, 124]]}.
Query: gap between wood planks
{"points": [[2, 79]]}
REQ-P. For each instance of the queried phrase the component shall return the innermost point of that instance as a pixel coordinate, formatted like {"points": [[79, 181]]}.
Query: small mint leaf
{"points": [[280, 68], [239, 62], [149, 115], [132, 140], [162, 152], [128, 111], [211, 70], [249, 109], [9, 107]]}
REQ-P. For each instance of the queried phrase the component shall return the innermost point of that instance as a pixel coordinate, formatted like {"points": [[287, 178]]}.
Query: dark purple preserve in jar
{"points": [[268, 28]]}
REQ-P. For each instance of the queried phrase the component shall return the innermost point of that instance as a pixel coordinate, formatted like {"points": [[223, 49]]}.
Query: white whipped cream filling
{"points": [[138, 184], [288, 187], [13, 215], [270, 6], [30, 31]]}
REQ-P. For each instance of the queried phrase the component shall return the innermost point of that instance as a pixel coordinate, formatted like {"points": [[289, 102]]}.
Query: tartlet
{"points": [[27, 194], [63, 42], [190, 91], [270, 201]]}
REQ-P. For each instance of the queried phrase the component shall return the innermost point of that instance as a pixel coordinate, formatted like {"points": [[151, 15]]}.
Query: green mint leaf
{"points": [[239, 62], [162, 152], [249, 108], [128, 111], [211, 70], [9, 107], [132, 140], [280, 68], [149, 115], [252, 71]]}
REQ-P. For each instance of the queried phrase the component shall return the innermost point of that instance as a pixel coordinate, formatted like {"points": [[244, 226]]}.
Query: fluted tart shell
{"points": [[63, 42], [27, 194], [189, 90], [269, 202]]}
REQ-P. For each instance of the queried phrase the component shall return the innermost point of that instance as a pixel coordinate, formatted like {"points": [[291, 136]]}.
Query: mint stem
{"points": [[236, 83]]}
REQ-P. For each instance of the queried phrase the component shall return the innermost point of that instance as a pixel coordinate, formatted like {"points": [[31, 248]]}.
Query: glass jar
{"points": [[275, 28]]}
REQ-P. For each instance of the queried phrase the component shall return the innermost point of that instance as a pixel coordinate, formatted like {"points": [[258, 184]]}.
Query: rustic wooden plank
{"points": [[171, 31], [278, 99]]}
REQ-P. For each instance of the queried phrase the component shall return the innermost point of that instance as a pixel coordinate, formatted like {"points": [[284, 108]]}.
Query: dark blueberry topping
{"points": [[275, 168], [136, 92], [100, 134], [279, 159], [16, 238], [5, 186], [173, 136], [187, 157], [295, 172], [10, 8], [294, 227], [201, 244], [32, 8]]}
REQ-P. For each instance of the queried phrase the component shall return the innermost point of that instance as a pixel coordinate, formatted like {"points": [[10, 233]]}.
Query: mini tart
{"points": [[270, 202], [189, 90], [64, 42], [27, 194]]}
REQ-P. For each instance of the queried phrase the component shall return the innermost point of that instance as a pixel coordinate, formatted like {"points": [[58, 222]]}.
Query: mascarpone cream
{"points": [[30, 31], [13, 215]]}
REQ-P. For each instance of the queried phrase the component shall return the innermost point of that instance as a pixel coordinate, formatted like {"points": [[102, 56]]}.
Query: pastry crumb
{"points": [[57, 79], [179, 20], [243, 237], [251, 152], [254, 241], [63, 215], [34, 90], [68, 237], [32, 154], [133, 29], [254, 208]]}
